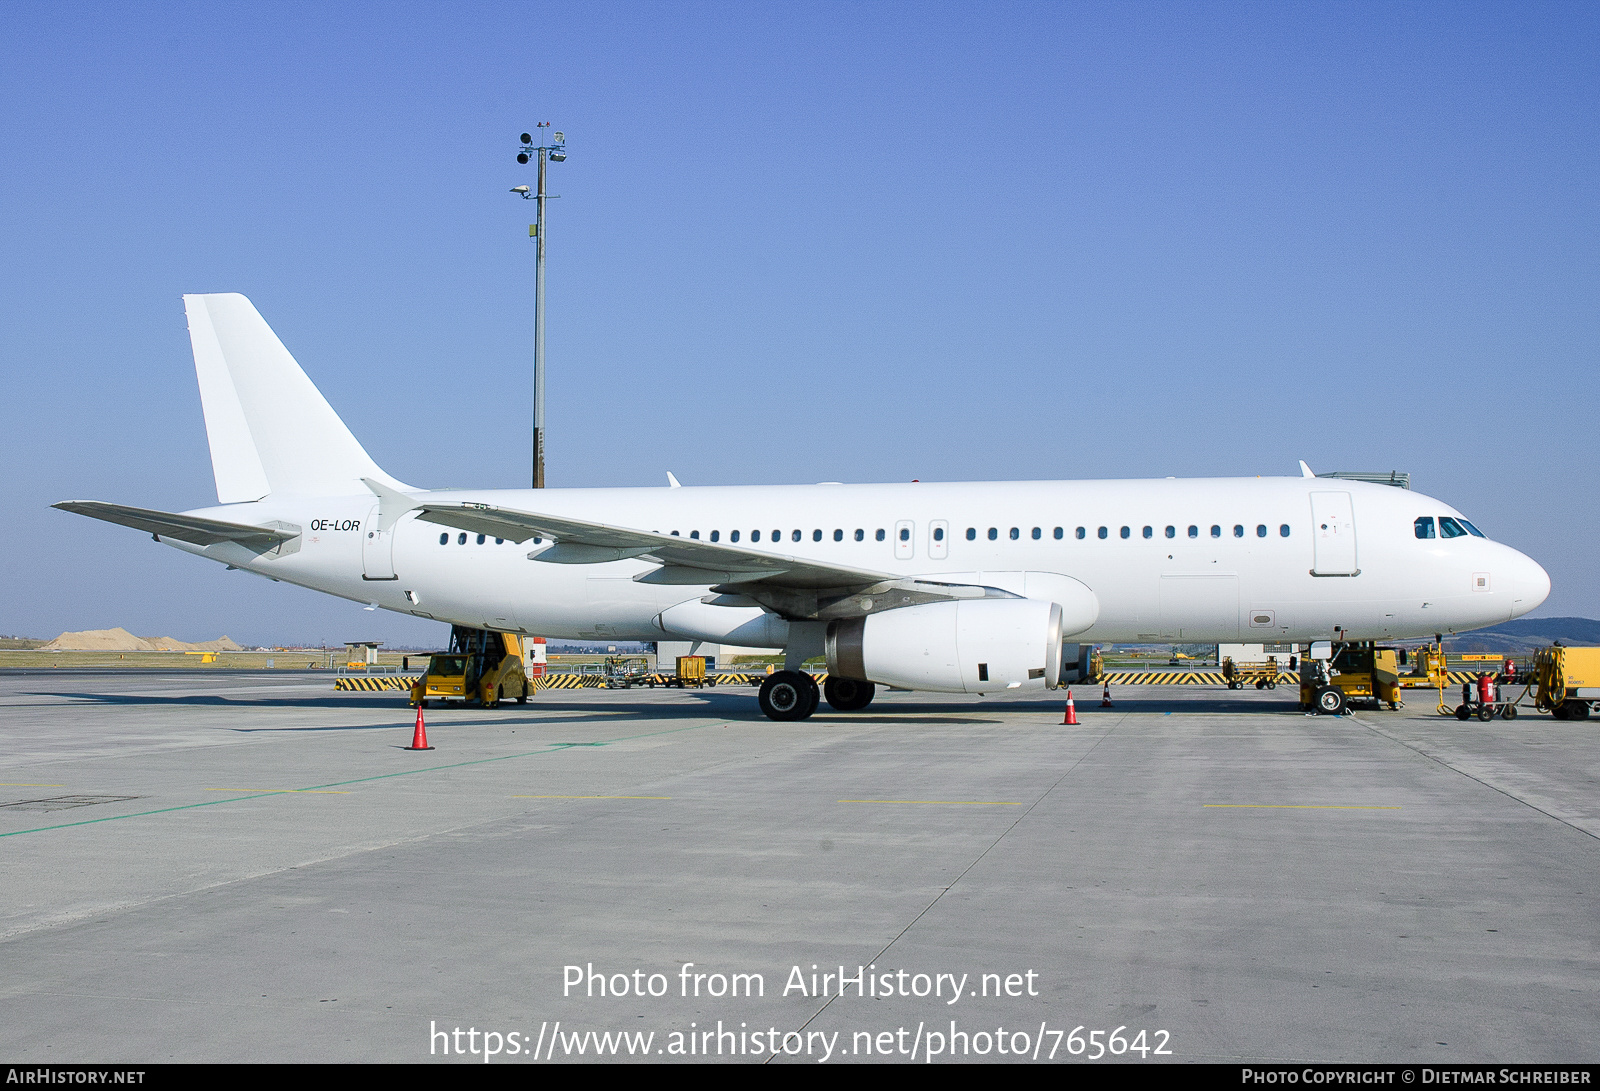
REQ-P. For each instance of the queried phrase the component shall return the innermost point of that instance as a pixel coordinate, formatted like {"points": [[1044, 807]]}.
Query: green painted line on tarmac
{"points": [[553, 748]]}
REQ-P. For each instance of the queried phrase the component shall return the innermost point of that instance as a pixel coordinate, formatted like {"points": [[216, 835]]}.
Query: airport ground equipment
{"points": [[1568, 681], [627, 671], [1485, 699], [1261, 675], [691, 673], [1333, 676], [481, 666]]}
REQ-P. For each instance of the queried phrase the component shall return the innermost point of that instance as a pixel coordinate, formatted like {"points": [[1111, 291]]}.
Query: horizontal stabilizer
{"points": [[184, 528]]}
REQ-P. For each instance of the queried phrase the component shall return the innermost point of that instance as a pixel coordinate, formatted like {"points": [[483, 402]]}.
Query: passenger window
{"points": [[1080, 533], [755, 536], [1194, 531], [878, 536], [938, 534], [1449, 528], [1283, 531], [796, 536], [816, 535], [1149, 532], [1172, 532], [1037, 534], [861, 535], [482, 538], [444, 538], [715, 535], [1261, 530], [1060, 533], [993, 534], [905, 534], [734, 537], [1102, 532], [675, 534], [1125, 532], [1238, 530], [838, 535], [499, 541], [972, 534], [1216, 531], [1015, 534], [694, 534], [1424, 526], [777, 536], [461, 539]]}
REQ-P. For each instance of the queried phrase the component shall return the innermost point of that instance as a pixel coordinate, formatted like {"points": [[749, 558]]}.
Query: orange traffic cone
{"points": [[1105, 698], [419, 737], [1071, 718]]}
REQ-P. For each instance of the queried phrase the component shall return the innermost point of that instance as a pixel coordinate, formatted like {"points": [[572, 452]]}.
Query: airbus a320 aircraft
{"points": [[969, 587]]}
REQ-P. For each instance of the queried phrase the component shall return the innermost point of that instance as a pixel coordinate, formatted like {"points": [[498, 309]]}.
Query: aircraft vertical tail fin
{"points": [[270, 428]]}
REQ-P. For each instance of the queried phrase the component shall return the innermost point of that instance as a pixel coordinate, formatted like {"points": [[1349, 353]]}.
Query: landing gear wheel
{"points": [[788, 695], [1485, 713], [1330, 701], [1463, 712], [1509, 712], [848, 695]]}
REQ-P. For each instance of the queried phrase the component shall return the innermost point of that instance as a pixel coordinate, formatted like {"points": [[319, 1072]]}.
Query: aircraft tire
{"points": [[788, 695], [1330, 701], [848, 695]]}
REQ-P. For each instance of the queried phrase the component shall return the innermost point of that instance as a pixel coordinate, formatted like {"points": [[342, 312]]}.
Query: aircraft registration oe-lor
{"points": [[963, 587]]}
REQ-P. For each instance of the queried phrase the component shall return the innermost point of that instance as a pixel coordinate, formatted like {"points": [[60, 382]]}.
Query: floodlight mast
{"points": [[555, 151]]}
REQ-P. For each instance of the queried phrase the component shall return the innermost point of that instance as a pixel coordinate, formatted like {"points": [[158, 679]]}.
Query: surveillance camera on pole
{"points": [[554, 151]]}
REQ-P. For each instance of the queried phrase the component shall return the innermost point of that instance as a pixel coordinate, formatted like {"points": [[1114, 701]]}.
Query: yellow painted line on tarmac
{"points": [[942, 802], [282, 791], [591, 797], [1305, 806]]}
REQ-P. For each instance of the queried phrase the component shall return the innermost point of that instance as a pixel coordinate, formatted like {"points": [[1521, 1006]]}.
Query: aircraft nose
{"points": [[1530, 584]]}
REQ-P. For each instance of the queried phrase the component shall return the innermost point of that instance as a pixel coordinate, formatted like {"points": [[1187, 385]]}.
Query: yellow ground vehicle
{"points": [[1239, 675], [480, 666], [1568, 680], [691, 673], [1358, 671]]}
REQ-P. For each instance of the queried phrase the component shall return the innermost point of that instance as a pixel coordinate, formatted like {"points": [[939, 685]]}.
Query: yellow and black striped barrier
{"points": [[1215, 678], [372, 682]]}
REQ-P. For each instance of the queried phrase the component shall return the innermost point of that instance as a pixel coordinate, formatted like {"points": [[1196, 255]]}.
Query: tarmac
{"points": [[250, 867]]}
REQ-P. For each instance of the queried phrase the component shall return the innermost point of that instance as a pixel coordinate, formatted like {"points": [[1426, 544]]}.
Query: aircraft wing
{"points": [[794, 587], [185, 528]]}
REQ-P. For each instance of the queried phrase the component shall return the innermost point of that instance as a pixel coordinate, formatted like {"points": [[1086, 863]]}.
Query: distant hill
{"points": [[1526, 635]]}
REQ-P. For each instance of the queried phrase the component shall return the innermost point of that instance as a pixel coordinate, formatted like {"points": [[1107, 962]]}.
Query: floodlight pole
{"points": [[537, 230]]}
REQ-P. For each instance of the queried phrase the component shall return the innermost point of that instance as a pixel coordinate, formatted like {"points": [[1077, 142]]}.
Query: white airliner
{"points": [[969, 587]]}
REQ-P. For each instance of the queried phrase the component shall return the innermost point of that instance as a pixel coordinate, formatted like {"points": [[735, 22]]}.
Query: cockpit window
{"points": [[1449, 528], [1472, 529], [1424, 526]]}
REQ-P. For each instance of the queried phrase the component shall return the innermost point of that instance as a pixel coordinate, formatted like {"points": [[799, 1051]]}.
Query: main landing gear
{"points": [[794, 695], [789, 695]]}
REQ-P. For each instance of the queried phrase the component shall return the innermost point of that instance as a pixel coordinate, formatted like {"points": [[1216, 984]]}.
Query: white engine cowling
{"points": [[745, 626], [967, 646]]}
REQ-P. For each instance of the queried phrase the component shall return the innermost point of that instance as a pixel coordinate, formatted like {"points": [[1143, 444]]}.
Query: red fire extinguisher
{"points": [[1486, 693]]}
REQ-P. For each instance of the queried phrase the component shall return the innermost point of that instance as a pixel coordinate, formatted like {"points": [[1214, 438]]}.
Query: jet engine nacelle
{"points": [[967, 646]]}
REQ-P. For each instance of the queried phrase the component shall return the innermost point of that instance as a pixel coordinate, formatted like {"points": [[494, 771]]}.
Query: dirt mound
{"points": [[120, 640]]}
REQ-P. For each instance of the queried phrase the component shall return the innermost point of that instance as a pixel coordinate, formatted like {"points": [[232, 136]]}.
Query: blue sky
{"points": [[798, 242]]}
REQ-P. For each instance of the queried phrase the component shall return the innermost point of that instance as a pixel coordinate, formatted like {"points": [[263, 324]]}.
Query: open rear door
{"points": [[1333, 535]]}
